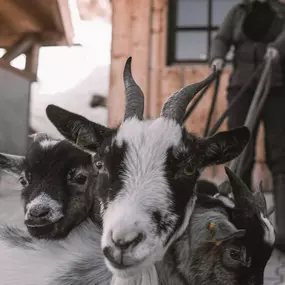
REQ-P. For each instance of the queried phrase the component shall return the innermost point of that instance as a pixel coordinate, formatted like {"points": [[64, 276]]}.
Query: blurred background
{"points": [[72, 53]]}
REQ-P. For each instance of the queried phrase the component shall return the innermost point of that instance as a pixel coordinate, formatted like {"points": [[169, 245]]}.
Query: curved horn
{"points": [[134, 95], [243, 196], [175, 107]]}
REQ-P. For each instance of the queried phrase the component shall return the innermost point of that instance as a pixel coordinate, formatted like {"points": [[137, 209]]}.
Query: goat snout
{"points": [[124, 240], [43, 210], [39, 212]]}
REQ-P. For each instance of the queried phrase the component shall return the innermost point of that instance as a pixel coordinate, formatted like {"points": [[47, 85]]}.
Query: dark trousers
{"points": [[273, 116]]}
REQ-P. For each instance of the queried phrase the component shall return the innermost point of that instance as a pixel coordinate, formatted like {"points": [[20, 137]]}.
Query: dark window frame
{"points": [[172, 29]]}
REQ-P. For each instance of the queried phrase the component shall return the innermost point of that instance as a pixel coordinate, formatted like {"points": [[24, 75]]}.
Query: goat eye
{"points": [[23, 181], [80, 179], [235, 254], [99, 164], [189, 170]]}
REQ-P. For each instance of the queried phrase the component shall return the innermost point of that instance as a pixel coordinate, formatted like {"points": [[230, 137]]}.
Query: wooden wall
{"points": [[140, 31]]}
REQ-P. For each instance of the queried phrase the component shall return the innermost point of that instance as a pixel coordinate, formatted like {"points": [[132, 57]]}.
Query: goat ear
{"points": [[225, 188], [222, 230], [224, 146], [260, 201], [206, 187], [76, 128], [12, 163]]}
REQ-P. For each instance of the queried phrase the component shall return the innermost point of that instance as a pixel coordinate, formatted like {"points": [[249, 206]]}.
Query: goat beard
{"points": [[147, 277]]}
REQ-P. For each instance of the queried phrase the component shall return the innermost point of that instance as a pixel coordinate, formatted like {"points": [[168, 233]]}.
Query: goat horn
{"points": [[175, 107], [134, 95], [242, 195]]}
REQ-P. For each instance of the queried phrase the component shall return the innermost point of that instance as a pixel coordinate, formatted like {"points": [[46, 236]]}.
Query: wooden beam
{"points": [[19, 47], [62, 18], [17, 18], [39, 15], [29, 76], [32, 59]]}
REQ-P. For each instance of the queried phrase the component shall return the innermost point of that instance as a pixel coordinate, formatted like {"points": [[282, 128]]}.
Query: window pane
{"points": [[220, 10], [192, 13], [191, 45]]}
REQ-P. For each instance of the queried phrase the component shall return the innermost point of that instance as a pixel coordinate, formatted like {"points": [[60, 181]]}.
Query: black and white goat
{"points": [[147, 196], [224, 243], [58, 186]]}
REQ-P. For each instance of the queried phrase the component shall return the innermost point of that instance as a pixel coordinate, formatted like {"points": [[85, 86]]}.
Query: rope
{"points": [[196, 100], [213, 104], [254, 112], [224, 115]]}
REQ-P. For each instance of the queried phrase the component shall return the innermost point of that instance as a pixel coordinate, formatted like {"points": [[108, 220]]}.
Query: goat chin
{"points": [[147, 277], [28, 261]]}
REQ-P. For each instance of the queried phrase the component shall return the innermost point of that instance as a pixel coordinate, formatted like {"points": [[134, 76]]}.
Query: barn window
{"points": [[191, 26]]}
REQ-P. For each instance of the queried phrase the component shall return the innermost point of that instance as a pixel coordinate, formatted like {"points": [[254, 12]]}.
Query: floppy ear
{"points": [[224, 146], [206, 187], [260, 200], [225, 188], [11, 167], [12, 163], [76, 128]]}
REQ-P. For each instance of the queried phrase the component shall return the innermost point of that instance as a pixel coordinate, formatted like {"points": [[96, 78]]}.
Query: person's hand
{"points": [[218, 63], [272, 53]]}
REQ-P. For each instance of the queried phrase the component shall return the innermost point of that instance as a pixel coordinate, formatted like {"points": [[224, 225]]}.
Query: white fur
{"points": [[45, 200], [269, 236], [145, 188], [46, 144], [46, 260], [147, 277]]}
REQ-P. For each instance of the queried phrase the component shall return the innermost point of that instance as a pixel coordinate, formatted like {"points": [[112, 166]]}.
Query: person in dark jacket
{"points": [[256, 30]]}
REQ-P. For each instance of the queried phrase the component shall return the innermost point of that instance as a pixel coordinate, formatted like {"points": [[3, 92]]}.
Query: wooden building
{"points": [[25, 26], [169, 42]]}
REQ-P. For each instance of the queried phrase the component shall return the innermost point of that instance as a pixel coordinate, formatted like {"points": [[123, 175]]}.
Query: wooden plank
{"points": [[20, 47], [171, 81], [130, 37], [120, 51], [63, 21], [156, 65], [8, 40], [167, 79], [29, 76], [51, 19], [16, 17], [140, 38], [32, 59]]}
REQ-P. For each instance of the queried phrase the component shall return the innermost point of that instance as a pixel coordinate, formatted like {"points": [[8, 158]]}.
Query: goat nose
{"points": [[126, 240], [39, 212]]}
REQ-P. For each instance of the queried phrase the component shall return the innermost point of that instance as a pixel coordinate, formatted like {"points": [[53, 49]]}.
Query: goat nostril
{"points": [[39, 212], [124, 243]]}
